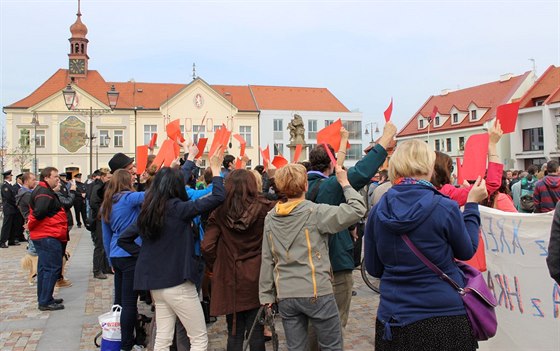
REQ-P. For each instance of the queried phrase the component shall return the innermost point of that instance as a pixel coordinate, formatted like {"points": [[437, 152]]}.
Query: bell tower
{"points": [[78, 57]]}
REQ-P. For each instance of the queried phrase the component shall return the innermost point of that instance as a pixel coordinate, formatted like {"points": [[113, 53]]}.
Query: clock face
{"points": [[77, 66]]}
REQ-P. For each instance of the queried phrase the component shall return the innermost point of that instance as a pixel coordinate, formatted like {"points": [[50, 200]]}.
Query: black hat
{"points": [[7, 173], [62, 174], [19, 175], [69, 175], [78, 175], [119, 161]]}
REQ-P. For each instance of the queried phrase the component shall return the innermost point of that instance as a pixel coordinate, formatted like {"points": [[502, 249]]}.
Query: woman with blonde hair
{"points": [[417, 309]]}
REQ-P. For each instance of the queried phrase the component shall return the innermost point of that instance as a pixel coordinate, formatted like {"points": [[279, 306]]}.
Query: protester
{"points": [[165, 228], [380, 189], [501, 198], [547, 190], [295, 268], [522, 191], [232, 248], [66, 197], [553, 258], [101, 266], [48, 228], [328, 191], [419, 311], [228, 165]]}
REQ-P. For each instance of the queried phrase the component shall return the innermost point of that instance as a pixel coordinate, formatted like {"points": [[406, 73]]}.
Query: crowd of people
{"points": [[285, 239]]}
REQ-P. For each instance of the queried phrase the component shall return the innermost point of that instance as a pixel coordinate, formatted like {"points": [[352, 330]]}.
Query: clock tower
{"points": [[78, 58]]}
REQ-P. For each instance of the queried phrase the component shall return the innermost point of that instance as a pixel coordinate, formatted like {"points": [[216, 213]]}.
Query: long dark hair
{"points": [[120, 181], [442, 170], [241, 192], [504, 188], [168, 183]]}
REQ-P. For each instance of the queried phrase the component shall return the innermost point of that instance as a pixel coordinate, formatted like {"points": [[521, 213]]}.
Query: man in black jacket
{"points": [[80, 200], [100, 264], [9, 230]]}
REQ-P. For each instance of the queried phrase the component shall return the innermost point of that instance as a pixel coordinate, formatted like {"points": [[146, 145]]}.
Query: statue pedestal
{"points": [[304, 156]]}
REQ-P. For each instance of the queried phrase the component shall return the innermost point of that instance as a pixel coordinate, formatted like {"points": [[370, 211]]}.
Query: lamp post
{"points": [[69, 95], [35, 122], [371, 124], [106, 141]]}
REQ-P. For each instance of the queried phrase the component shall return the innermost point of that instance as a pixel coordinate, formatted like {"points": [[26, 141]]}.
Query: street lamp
{"points": [[371, 128], [35, 122], [69, 95]]}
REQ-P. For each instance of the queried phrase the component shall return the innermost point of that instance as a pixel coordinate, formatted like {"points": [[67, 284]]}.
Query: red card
{"points": [[169, 155], [173, 130], [216, 142], [152, 141], [388, 112], [333, 160], [265, 155], [176, 150], [163, 153], [238, 164], [476, 153], [201, 145], [242, 142], [459, 168], [331, 135], [279, 161], [297, 153], [141, 158], [507, 115]]}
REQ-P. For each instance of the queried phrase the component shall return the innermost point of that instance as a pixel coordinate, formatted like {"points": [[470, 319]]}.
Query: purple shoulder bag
{"points": [[478, 299]]}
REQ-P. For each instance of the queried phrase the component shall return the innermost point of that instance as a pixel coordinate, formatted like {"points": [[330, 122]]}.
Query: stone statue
{"points": [[297, 130]]}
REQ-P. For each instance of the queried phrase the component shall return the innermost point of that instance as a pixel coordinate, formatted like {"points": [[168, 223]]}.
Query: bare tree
{"points": [[21, 154]]}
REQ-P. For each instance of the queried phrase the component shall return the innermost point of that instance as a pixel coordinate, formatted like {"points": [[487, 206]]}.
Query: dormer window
{"points": [[437, 121], [421, 123], [473, 115], [455, 118]]}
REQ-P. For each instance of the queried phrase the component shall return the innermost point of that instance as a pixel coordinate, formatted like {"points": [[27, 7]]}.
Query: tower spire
{"points": [[79, 12], [193, 71]]}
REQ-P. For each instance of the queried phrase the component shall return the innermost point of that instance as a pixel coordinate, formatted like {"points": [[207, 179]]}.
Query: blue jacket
{"points": [[124, 213], [410, 291], [169, 260]]}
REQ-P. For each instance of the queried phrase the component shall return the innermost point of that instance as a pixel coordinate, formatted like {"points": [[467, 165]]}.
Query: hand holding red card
{"points": [[331, 135], [507, 115], [279, 161], [242, 142], [474, 160], [173, 130], [201, 146]]}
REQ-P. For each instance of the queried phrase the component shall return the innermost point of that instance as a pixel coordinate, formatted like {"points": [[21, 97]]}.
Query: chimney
{"points": [[445, 92], [505, 77]]}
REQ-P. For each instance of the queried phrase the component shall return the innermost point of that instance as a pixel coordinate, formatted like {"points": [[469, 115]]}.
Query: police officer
{"points": [[80, 201], [8, 235]]}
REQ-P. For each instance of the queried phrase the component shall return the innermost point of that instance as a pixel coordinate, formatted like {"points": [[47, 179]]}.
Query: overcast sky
{"points": [[364, 52]]}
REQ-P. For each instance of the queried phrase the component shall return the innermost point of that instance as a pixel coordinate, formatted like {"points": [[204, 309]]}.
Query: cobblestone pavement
{"points": [[23, 327]]}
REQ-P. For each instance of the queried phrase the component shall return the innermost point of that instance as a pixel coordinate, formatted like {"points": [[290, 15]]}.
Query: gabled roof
{"points": [[487, 96], [295, 98], [153, 95], [547, 87]]}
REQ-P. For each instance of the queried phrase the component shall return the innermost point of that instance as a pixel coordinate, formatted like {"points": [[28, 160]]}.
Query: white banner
{"points": [[528, 298]]}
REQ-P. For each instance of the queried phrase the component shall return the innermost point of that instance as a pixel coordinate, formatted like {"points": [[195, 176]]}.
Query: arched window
{"points": [[77, 49], [83, 52]]}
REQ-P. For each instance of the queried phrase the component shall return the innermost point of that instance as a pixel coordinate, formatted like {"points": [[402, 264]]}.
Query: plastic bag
{"points": [[110, 323]]}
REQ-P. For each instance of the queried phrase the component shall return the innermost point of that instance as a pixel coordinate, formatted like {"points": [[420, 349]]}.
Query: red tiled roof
{"points": [[488, 96], [240, 96], [295, 98], [153, 95], [546, 87]]}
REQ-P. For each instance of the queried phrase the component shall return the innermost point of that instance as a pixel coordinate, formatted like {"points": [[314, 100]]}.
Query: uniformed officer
{"points": [[80, 201], [8, 235]]}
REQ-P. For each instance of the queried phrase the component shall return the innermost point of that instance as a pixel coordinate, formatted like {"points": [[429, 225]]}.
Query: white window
{"points": [[24, 137], [118, 137], [461, 143], [312, 129], [104, 138], [278, 127], [278, 149], [448, 144], [198, 132], [473, 115], [354, 152], [149, 131], [354, 129], [40, 138], [328, 122], [245, 132], [217, 126], [437, 145], [455, 118]]}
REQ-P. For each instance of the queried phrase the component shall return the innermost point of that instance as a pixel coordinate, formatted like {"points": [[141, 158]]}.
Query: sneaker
{"points": [[100, 275], [52, 307], [63, 283]]}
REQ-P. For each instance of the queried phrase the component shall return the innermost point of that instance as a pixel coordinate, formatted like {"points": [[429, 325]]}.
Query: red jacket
{"points": [[47, 217]]}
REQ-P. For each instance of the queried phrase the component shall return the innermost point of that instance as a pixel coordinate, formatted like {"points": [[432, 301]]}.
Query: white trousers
{"points": [[182, 301]]}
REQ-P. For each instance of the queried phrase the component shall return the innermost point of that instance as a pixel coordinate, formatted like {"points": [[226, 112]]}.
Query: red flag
{"points": [[152, 141], [474, 159], [279, 161], [331, 156], [297, 153], [141, 158], [507, 115], [433, 114], [201, 145], [331, 135], [388, 112]]}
